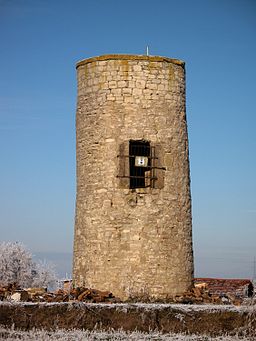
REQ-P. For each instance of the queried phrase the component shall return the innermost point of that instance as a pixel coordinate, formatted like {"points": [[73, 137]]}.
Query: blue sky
{"points": [[41, 41]]}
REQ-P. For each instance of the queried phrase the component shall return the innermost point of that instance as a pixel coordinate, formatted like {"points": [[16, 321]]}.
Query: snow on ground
{"points": [[84, 335]]}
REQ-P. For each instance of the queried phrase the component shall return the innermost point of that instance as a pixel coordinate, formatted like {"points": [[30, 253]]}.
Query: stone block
{"points": [[122, 84]]}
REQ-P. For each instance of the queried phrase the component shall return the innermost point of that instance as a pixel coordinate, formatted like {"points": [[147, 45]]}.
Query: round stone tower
{"points": [[133, 230]]}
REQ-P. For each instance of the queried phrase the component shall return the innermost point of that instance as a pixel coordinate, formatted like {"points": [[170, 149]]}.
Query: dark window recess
{"points": [[140, 163]]}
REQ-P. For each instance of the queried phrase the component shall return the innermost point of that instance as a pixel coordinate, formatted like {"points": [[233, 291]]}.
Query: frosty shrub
{"points": [[44, 274], [17, 266]]}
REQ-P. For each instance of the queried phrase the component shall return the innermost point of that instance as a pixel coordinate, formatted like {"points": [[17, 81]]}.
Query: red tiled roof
{"points": [[221, 286]]}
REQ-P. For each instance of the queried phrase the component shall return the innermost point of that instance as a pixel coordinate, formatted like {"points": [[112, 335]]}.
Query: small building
{"points": [[65, 284], [239, 288]]}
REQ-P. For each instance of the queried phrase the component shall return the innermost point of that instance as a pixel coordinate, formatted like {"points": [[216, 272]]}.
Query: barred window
{"points": [[140, 165]]}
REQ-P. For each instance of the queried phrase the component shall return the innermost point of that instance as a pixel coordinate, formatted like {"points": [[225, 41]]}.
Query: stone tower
{"points": [[133, 230]]}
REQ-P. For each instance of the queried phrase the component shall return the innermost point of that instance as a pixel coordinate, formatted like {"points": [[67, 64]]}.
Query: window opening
{"points": [[139, 163]]}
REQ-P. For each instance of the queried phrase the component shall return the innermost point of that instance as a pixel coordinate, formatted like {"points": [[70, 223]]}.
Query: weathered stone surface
{"points": [[132, 241]]}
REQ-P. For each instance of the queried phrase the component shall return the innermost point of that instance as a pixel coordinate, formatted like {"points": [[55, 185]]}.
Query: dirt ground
{"points": [[210, 320]]}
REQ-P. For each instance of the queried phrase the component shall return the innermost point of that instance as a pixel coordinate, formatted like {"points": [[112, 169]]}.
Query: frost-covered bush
{"points": [[44, 274], [17, 266]]}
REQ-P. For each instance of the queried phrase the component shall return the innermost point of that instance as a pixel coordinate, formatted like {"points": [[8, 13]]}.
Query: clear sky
{"points": [[41, 41]]}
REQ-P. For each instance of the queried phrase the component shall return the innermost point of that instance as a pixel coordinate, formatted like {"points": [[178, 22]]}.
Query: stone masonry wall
{"points": [[132, 241]]}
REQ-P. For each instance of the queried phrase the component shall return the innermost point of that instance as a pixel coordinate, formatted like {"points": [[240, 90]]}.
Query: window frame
{"points": [[151, 176]]}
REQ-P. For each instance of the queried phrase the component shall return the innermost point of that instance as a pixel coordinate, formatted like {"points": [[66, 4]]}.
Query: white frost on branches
{"points": [[44, 274], [17, 266]]}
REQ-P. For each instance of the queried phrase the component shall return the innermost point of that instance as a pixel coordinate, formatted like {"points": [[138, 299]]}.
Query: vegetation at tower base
{"points": [[136, 222]]}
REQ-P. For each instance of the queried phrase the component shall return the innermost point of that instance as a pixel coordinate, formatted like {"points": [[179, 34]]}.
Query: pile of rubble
{"points": [[15, 293], [200, 294]]}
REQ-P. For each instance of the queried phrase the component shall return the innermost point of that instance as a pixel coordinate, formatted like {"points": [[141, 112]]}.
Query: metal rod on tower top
{"points": [[147, 51]]}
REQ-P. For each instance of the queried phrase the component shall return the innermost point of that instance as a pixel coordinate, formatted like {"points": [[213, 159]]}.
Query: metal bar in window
{"points": [[164, 168], [152, 150], [153, 157], [136, 176], [151, 169]]}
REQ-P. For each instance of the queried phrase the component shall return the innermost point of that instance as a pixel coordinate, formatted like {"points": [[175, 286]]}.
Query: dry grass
{"points": [[83, 335]]}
